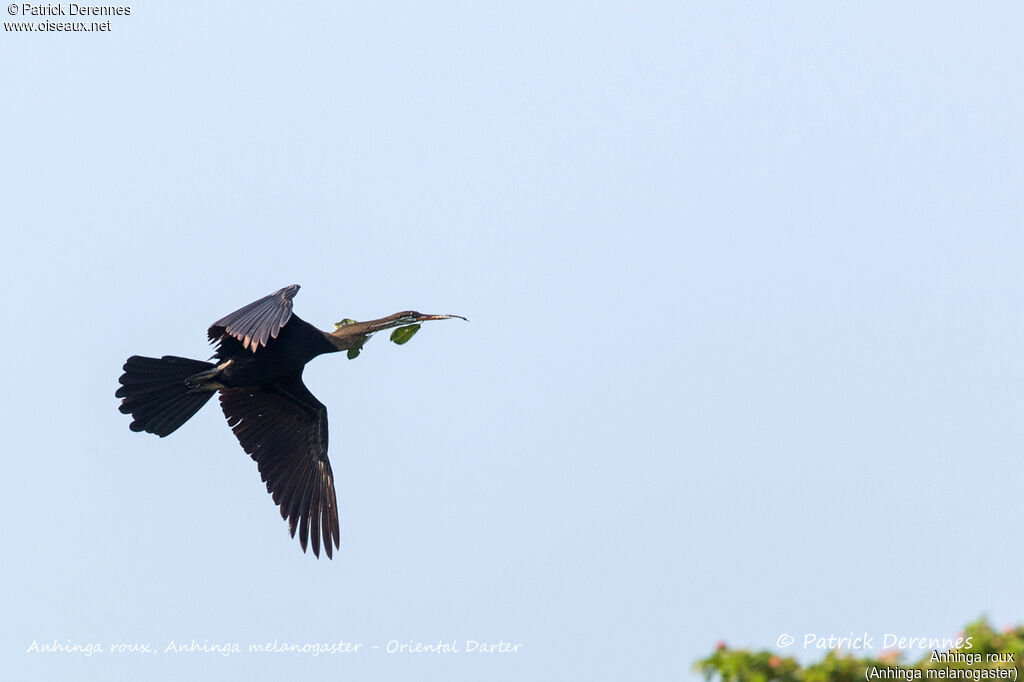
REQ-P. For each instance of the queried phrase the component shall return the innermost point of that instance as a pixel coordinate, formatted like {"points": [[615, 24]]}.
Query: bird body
{"points": [[261, 351], [297, 343]]}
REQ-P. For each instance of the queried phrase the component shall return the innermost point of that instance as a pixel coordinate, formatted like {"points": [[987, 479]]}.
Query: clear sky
{"points": [[745, 353]]}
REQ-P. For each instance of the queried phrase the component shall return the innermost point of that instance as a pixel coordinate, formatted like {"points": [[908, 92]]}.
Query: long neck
{"points": [[353, 335]]}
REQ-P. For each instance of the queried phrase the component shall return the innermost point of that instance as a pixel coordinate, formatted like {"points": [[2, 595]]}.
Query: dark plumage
{"points": [[261, 350]]}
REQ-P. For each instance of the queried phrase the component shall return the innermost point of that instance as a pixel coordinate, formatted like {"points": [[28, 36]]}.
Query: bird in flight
{"points": [[261, 350]]}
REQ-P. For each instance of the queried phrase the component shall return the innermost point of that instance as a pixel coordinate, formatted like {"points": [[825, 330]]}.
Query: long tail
{"points": [[154, 392]]}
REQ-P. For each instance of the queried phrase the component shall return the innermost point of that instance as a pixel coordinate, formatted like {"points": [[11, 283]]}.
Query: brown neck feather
{"points": [[354, 335]]}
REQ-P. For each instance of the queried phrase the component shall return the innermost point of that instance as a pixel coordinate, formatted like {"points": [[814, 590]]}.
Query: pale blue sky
{"points": [[745, 353]]}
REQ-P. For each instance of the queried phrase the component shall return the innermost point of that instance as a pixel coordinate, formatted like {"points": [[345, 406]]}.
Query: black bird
{"points": [[261, 350]]}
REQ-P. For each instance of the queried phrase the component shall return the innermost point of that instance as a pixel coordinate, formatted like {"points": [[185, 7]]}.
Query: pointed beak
{"points": [[424, 318]]}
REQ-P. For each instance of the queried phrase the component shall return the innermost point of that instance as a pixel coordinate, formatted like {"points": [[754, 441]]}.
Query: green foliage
{"points": [[339, 325], [403, 334], [1005, 648]]}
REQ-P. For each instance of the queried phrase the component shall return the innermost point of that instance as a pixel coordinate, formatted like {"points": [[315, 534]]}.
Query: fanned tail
{"points": [[155, 393]]}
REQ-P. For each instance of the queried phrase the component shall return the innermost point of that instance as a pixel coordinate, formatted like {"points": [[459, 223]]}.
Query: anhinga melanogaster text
{"points": [[261, 350]]}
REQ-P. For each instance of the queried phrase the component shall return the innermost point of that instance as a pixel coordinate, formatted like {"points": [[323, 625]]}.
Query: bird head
{"points": [[413, 317]]}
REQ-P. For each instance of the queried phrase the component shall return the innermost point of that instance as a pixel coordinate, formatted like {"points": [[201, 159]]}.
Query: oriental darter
{"points": [[261, 350]]}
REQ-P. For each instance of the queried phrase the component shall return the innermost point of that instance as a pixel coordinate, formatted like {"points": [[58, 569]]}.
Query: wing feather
{"points": [[256, 324], [314, 532], [283, 427]]}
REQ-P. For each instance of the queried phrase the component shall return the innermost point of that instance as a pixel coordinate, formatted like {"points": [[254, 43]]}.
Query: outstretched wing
{"points": [[255, 324], [284, 428]]}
